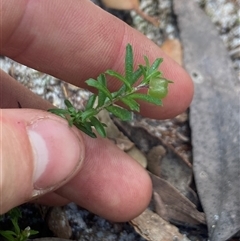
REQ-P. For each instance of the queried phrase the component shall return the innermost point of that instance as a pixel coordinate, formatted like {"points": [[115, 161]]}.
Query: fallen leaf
{"points": [[137, 155], [177, 207], [121, 140], [166, 164], [173, 48], [121, 5], [214, 119], [154, 157], [153, 228], [171, 166], [130, 5]]}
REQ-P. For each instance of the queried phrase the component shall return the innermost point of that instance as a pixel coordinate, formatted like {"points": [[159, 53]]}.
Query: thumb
{"points": [[38, 153]]}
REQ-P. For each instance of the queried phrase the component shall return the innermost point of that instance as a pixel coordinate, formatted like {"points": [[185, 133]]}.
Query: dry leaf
{"points": [[137, 155], [173, 48], [121, 140], [122, 4], [130, 5], [153, 228], [178, 207], [167, 164], [154, 157]]}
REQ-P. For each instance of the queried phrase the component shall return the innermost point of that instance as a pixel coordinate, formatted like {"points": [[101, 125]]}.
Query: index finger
{"points": [[75, 40]]}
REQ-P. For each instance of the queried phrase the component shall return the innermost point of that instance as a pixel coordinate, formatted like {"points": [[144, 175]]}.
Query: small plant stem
{"points": [[113, 101]]}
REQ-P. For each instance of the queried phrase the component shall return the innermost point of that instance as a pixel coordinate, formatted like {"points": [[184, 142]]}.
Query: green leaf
{"points": [[99, 86], [144, 71], [146, 97], [150, 72], [16, 226], [147, 62], [101, 95], [9, 235], [68, 103], [58, 111], [119, 112], [88, 113], [101, 98], [98, 126], [102, 80], [77, 115], [129, 63], [131, 103], [70, 108], [119, 92], [155, 65], [90, 102], [153, 75], [119, 77], [15, 213], [136, 75], [86, 128], [33, 232]]}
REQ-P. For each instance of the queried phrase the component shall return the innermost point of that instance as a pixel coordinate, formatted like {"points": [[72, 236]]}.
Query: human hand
{"points": [[73, 41]]}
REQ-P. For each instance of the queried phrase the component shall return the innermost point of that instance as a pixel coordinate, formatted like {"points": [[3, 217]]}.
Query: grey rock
{"points": [[214, 119]]}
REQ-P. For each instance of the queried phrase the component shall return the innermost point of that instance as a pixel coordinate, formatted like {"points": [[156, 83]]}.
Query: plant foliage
{"points": [[145, 77], [16, 234]]}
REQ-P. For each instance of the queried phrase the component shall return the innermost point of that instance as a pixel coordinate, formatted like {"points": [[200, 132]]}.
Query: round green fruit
{"points": [[158, 88]]}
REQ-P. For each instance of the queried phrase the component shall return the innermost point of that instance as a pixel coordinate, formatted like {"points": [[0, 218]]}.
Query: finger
{"points": [[52, 199], [15, 95], [76, 40], [111, 184], [34, 157]]}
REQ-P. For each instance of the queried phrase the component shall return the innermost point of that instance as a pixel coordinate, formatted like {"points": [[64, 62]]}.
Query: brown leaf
{"points": [[121, 5], [163, 159], [130, 5], [154, 157], [164, 162], [153, 228], [121, 140], [178, 207], [173, 48]]}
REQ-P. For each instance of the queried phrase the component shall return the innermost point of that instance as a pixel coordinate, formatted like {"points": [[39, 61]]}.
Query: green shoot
{"points": [[145, 77], [16, 234]]}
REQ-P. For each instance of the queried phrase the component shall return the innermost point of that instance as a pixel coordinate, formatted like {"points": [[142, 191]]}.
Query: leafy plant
{"points": [[16, 234], [145, 77]]}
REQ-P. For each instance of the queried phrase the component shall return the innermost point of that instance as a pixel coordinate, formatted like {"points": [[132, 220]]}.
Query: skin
{"points": [[74, 40]]}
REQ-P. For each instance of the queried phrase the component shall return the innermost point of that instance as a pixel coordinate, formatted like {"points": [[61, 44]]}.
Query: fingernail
{"points": [[57, 152]]}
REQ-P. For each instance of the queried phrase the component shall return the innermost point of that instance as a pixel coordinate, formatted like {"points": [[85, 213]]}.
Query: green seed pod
{"points": [[158, 88]]}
